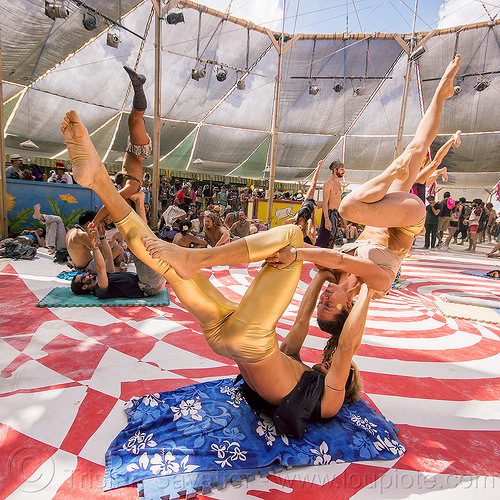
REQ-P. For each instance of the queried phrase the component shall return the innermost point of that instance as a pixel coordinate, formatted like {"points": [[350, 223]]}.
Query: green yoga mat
{"points": [[64, 297]]}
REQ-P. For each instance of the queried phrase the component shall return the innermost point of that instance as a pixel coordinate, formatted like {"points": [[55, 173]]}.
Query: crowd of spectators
{"points": [[33, 172]]}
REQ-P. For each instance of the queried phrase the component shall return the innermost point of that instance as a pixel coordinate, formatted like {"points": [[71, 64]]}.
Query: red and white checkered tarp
{"points": [[67, 372]]}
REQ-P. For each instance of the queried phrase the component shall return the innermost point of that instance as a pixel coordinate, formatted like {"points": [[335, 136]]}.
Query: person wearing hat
{"points": [[14, 171], [60, 175]]}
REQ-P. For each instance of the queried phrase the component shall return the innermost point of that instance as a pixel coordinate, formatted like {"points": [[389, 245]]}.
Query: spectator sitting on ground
{"points": [[14, 171], [56, 232], [215, 233], [60, 175], [185, 239], [78, 243], [230, 218], [242, 227], [197, 225]]}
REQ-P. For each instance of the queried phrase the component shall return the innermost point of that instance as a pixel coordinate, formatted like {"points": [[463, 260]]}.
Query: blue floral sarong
{"points": [[209, 428]]}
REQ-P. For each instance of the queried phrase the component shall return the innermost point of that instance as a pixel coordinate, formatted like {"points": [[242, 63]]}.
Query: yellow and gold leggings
{"points": [[244, 332]]}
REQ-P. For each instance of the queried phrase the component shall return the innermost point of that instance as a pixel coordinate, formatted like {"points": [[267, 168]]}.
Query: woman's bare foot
{"points": [[445, 87], [183, 260], [456, 138], [87, 165], [36, 212]]}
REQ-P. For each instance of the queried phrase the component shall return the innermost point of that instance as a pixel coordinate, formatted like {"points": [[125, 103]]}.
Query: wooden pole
{"points": [[274, 134], [3, 187], [409, 64], [157, 120]]}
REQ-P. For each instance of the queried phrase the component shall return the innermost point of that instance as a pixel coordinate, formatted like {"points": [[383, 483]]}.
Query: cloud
{"points": [[459, 12]]}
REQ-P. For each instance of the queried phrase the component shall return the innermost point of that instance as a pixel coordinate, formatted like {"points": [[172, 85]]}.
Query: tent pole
{"points": [[3, 187], [274, 134], [406, 87], [157, 120]]}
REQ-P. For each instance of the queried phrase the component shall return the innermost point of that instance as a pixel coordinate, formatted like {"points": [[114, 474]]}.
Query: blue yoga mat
{"points": [[64, 297], [205, 434]]}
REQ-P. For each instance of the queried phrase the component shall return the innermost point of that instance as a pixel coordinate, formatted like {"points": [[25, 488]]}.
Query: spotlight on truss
{"points": [[56, 10], [89, 21], [197, 73], [416, 54], [359, 90], [240, 84], [313, 89], [481, 84], [220, 74], [113, 38], [457, 89], [338, 87], [175, 18], [29, 144]]}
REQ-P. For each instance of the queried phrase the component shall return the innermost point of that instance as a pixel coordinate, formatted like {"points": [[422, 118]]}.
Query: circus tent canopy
{"points": [[211, 126]]}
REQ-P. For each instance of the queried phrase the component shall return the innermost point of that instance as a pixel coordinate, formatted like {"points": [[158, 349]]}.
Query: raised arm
{"points": [[312, 187], [100, 264], [298, 333], [349, 342]]}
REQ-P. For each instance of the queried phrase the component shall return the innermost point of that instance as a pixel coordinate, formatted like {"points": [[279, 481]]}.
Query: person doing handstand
{"points": [[138, 143]]}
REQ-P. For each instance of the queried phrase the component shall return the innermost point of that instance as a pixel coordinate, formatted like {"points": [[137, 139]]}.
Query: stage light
{"points": [[175, 18], [313, 89], [113, 38], [481, 84], [29, 144], [89, 21], [196, 74], [359, 91], [416, 54], [220, 74], [457, 89], [240, 84], [56, 10], [338, 87]]}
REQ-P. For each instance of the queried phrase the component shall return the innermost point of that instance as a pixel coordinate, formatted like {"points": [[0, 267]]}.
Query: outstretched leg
{"points": [[384, 201], [139, 143], [197, 295]]}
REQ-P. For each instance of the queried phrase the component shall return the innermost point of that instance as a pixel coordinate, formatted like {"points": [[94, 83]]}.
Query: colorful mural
{"points": [[53, 199]]}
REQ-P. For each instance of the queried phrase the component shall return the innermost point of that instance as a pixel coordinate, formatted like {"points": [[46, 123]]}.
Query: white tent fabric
{"points": [[209, 126]]}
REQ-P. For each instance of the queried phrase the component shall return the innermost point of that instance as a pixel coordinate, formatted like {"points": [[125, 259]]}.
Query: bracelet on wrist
{"points": [[95, 248], [102, 238], [295, 260]]}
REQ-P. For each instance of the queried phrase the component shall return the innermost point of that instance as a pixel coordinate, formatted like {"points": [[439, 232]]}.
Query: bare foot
{"points": [[456, 138], [36, 212], [180, 258], [444, 174], [87, 165], [445, 86]]}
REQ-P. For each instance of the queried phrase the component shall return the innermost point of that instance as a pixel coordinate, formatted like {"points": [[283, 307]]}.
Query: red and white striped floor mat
{"points": [[66, 373]]}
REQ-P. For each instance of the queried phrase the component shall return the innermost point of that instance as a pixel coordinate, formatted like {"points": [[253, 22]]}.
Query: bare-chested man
{"points": [[332, 195], [215, 233], [78, 243]]}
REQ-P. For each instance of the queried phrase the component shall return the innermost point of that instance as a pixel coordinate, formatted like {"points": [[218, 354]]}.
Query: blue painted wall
{"points": [[25, 194]]}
